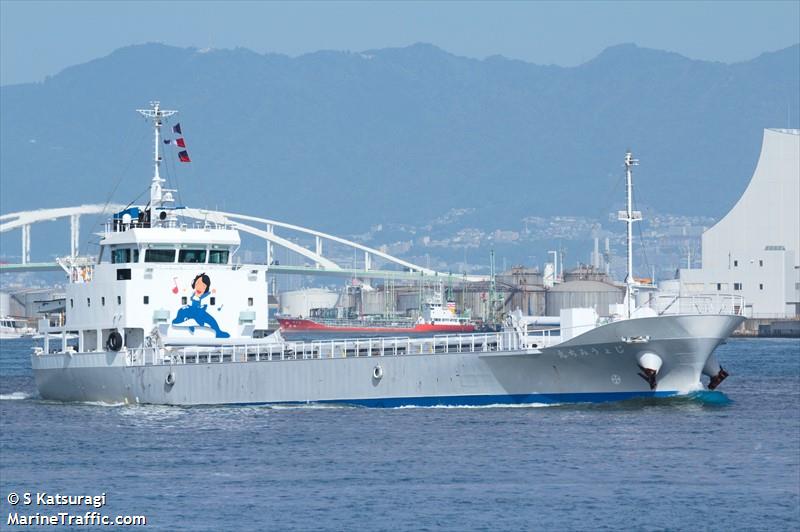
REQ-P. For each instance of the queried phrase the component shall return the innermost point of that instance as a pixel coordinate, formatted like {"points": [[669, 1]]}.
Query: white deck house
{"points": [[754, 251]]}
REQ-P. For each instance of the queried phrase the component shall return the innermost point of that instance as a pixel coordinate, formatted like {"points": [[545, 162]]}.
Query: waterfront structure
{"points": [[754, 251], [26, 302]]}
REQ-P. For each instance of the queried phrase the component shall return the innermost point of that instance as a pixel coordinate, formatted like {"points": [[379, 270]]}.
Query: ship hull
{"points": [[593, 367], [296, 325]]}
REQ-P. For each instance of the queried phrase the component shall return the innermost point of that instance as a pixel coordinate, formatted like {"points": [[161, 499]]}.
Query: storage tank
{"points": [[300, 302], [374, 302], [408, 302], [583, 294], [530, 302]]}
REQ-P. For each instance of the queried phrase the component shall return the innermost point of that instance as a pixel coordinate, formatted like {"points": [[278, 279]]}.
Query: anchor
{"points": [[649, 375], [649, 363], [717, 379], [716, 374]]}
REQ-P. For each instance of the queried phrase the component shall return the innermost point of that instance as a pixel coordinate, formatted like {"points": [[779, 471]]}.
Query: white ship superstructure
{"points": [[160, 279], [165, 315]]}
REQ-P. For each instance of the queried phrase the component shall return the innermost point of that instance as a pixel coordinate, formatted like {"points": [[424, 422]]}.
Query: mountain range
{"points": [[342, 141]]}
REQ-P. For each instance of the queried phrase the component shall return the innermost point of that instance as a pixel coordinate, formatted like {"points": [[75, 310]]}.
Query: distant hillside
{"points": [[342, 141]]}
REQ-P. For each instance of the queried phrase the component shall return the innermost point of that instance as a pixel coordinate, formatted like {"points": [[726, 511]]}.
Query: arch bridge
{"points": [[263, 228]]}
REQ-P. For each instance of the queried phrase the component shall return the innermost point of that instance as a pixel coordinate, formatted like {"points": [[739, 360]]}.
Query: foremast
{"points": [[158, 195], [629, 216]]}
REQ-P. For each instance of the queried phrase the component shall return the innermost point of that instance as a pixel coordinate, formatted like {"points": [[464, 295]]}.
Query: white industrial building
{"points": [[754, 251]]}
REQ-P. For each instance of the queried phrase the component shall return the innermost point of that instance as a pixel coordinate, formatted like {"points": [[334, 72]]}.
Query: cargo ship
{"points": [[152, 328], [435, 318]]}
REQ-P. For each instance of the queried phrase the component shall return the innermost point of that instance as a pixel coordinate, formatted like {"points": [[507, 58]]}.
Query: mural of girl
{"points": [[197, 310]]}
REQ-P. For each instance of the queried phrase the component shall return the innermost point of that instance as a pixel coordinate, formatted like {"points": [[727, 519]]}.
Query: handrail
{"points": [[723, 304], [507, 340], [325, 349]]}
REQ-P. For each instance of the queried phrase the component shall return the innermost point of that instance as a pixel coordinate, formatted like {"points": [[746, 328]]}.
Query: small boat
{"points": [[11, 327]]}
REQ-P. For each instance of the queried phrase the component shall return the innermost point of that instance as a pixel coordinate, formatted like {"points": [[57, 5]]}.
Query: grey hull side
{"points": [[595, 366]]}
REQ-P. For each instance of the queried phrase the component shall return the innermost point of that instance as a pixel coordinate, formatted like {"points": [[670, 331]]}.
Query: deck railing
{"points": [[727, 304], [117, 226], [325, 349], [507, 340]]}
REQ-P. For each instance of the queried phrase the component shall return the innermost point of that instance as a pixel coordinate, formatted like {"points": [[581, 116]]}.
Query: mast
{"points": [[629, 216], [157, 115], [492, 286]]}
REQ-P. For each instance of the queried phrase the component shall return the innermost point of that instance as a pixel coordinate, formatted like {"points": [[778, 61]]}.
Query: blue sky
{"points": [[41, 38]]}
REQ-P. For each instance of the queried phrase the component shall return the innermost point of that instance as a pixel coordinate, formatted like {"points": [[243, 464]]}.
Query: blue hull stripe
{"points": [[485, 400]]}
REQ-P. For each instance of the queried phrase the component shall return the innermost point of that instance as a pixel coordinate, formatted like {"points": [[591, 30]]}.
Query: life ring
{"points": [[377, 372], [170, 379], [114, 342]]}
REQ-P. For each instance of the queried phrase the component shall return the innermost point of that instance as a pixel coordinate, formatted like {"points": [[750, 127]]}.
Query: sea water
{"points": [[714, 461]]}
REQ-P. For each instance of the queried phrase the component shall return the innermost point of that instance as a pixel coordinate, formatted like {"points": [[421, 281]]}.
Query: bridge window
{"points": [[249, 301], [218, 256], [737, 286], [192, 255], [212, 301], [119, 300], [88, 302], [103, 301], [146, 300], [124, 255], [159, 255]]}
